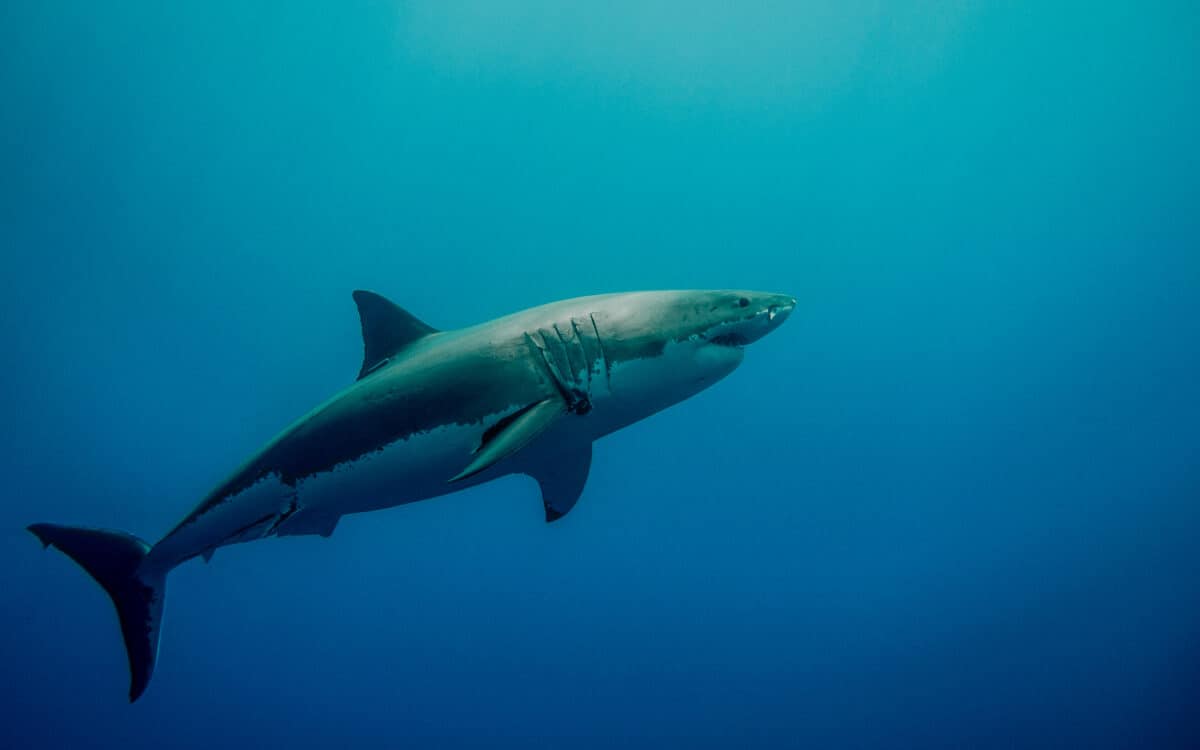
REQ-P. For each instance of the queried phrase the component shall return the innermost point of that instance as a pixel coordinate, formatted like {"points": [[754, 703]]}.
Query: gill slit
{"points": [[603, 353], [545, 358], [587, 366]]}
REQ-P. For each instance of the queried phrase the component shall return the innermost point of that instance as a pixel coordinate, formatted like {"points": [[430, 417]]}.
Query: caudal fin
{"points": [[113, 558]]}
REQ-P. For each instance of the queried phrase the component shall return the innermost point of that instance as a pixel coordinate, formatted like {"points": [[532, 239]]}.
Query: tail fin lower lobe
{"points": [[114, 559]]}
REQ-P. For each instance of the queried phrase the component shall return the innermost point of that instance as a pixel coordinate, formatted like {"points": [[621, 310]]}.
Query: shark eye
{"points": [[743, 302]]}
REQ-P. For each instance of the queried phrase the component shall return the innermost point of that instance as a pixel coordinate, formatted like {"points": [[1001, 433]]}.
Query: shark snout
{"points": [[778, 311], [775, 309], [761, 314]]}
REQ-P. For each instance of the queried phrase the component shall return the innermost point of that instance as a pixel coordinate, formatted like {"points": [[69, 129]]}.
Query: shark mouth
{"points": [[731, 339]]}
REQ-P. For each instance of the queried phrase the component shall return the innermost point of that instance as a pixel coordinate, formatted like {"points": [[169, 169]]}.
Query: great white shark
{"points": [[434, 412]]}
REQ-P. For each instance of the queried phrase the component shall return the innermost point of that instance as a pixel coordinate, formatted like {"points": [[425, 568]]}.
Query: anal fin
{"points": [[304, 522]]}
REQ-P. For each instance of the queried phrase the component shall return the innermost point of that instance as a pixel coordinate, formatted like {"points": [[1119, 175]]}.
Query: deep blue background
{"points": [[953, 502]]}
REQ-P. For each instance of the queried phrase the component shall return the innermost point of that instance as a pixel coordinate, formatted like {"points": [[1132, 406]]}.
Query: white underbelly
{"points": [[407, 470], [404, 471]]}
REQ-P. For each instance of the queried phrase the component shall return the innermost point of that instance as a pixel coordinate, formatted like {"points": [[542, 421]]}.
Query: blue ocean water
{"points": [[953, 502]]}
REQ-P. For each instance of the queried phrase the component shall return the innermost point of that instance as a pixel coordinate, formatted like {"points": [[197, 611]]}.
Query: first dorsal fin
{"points": [[386, 328]]}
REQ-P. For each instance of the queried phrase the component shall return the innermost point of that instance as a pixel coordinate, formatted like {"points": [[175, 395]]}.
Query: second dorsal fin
{"points": [[386, 328]]}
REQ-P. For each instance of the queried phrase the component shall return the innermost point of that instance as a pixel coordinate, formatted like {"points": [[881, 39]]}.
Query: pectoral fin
{"points": [[562, 480], [513, 433]]}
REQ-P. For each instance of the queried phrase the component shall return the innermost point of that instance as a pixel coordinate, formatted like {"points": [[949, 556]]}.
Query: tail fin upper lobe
{"points": [[113, 558]]}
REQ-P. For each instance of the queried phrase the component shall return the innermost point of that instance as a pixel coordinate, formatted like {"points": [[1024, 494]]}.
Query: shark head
{"points": [[664, 347], [735, 318]]}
